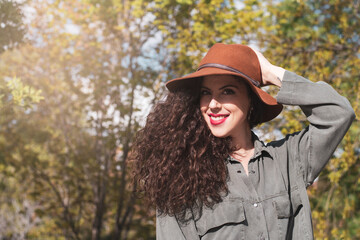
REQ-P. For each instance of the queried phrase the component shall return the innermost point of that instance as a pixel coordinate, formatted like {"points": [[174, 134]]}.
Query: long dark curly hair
{"points": [[180, 165]]}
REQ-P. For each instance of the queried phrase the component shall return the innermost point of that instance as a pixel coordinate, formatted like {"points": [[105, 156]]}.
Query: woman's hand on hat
{"points": [[271, 74]]}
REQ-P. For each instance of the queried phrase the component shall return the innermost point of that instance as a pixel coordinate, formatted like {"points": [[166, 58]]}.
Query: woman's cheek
{"points": [[203, 114]]}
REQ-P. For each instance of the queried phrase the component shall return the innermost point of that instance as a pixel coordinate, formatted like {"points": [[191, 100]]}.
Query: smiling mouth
{"points": [[216, 119]]}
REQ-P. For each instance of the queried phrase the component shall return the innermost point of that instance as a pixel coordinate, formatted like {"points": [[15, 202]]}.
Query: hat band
{"points": [[224, 67]]}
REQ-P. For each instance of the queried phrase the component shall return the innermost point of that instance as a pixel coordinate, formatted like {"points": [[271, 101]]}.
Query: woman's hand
{"points": [[271, 74]]}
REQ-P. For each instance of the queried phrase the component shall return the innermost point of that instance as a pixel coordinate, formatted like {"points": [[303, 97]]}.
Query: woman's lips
{"points": [[216, 119]]}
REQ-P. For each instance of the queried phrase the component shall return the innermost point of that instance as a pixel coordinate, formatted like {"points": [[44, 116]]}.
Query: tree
{"points": [[74, 150], [319, 40], [12, 30], [16, 210]]}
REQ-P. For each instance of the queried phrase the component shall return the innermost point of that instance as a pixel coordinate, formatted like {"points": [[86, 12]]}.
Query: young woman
{"points": [[208, 174]]}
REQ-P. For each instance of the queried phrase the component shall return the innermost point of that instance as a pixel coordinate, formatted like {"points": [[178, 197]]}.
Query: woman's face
{"points": [[224, 104]]}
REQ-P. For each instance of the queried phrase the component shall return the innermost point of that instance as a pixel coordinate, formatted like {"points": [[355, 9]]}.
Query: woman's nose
{"points": [[214, 103]]}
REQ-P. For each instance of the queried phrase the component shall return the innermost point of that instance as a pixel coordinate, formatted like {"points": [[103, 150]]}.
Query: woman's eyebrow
{"points": [[226, 86], [205, 87]]}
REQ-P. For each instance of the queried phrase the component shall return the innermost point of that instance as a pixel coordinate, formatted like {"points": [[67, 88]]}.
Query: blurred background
{"points": [[78, 77]]}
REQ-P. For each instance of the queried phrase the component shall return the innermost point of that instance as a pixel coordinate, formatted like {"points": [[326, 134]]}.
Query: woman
{"points": [[209, 176]]}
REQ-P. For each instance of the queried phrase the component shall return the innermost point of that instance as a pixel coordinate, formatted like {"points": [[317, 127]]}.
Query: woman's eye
{"points": [[229, 92], [204, 92]]}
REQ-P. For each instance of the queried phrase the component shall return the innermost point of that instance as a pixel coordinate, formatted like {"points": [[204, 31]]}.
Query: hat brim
{"points": [[271, 107]]}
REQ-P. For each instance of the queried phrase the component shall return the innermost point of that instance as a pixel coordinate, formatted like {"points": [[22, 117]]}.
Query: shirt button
{"points": [[255, 204]]}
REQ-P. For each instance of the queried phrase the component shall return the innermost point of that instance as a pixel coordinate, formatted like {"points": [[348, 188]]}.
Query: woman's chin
{"points": [[219, 134]]}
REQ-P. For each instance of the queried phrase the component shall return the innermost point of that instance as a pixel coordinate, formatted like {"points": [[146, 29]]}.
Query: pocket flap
{"points": [[283, 205], [228, 211]]}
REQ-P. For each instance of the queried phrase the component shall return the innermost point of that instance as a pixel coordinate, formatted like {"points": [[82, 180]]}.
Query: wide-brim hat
{"points": [[231, 59]]}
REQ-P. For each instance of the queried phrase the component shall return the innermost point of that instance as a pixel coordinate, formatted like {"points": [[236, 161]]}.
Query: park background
{"points": [[78, 77]]}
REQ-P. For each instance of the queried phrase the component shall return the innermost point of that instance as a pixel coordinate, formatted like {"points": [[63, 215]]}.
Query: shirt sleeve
{"points": [[329, 114], [167, 228]]}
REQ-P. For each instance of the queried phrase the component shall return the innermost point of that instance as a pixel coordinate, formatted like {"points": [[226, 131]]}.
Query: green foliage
{"points": [[12, 30], [19, 94], [72, 149], [320, 41]]}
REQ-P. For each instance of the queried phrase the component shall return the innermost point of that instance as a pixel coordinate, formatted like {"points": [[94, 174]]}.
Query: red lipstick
{"points": [[217, 121]]}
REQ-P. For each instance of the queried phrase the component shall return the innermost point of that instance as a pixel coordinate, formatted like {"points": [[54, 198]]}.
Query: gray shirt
{"points": [[271, 202]]}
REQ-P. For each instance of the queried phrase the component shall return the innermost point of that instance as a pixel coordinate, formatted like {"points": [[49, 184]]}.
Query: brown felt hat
{"points": [[231, 59]]}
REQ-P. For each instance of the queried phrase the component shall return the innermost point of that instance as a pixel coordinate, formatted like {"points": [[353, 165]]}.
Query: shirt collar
{"points": [[259, 146]]}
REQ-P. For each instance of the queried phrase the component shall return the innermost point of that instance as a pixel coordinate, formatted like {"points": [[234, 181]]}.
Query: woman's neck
{"points": [[244, 149], [243, 141]]}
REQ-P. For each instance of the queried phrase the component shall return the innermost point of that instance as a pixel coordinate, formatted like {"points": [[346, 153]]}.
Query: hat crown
{"points": [[237, 56]]}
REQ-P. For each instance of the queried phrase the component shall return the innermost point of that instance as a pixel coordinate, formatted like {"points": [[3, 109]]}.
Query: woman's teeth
{"points": [[218, 117]]}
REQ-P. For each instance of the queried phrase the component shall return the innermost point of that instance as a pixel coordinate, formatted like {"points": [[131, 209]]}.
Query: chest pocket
{"points": [[286, 211], [225, 218], [286, 208]]}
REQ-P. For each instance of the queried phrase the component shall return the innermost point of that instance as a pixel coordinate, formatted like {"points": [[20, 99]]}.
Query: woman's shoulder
{"points": [[288, 141]]}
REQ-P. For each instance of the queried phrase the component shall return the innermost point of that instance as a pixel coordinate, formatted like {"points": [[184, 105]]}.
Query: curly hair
{"points": [[180, 164]]}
